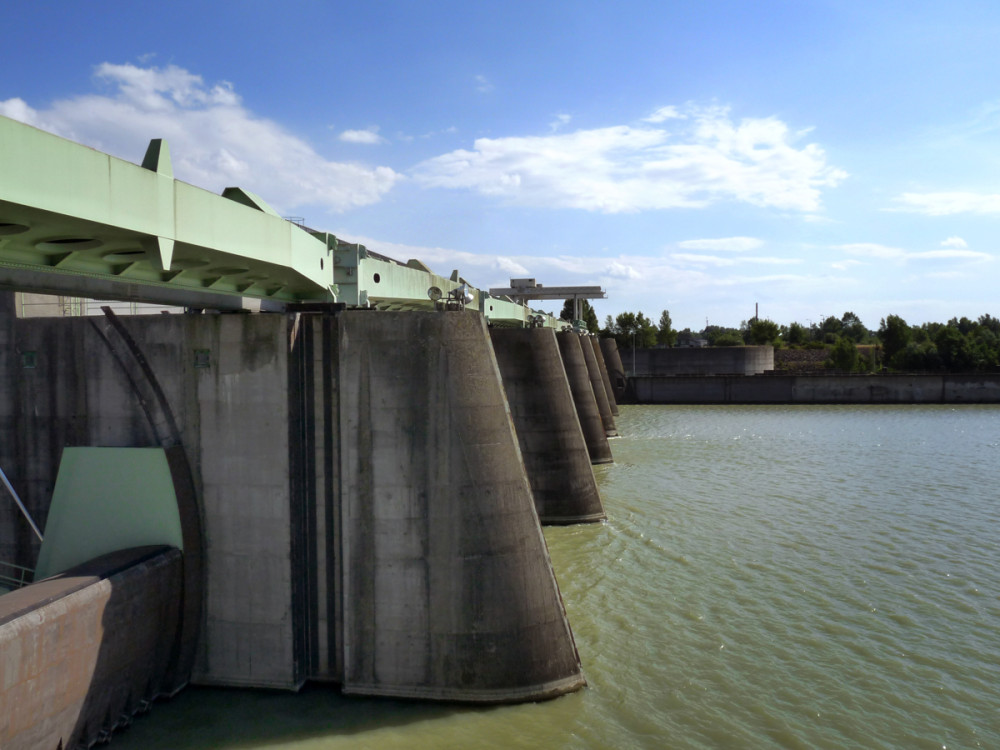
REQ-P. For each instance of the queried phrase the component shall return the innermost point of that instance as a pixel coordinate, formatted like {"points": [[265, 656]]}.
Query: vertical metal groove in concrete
{"points": [[448, 588], [601, 395], [548, 429], [616, 370], [583, 396], [599, 356]]}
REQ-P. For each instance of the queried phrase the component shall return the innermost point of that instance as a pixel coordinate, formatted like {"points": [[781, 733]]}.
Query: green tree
{"points": [[795, 334], [665, 334], [762, 332], [586, 309], [635, 327], [844, 354], [852, 327], [895, 334], [956, 352]]}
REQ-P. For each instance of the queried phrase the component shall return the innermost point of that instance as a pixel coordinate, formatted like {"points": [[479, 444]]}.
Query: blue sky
{"points": [[811, 156]]}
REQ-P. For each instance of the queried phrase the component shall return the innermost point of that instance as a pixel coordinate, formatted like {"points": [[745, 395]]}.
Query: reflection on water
{"points": [[802, 577]]}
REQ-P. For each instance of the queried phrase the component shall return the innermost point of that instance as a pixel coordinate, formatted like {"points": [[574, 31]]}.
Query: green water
{"points": [[795, 577]]}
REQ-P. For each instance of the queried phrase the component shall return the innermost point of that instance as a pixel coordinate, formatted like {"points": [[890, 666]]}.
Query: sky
{"points": [[801, 157]]}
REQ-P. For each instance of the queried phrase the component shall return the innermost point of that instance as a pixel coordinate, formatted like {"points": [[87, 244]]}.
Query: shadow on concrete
{"points": [[201, 717]]}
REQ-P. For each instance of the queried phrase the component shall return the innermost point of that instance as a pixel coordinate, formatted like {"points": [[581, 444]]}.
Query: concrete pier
{"points": [[616, 370], [548, 429], [448, 589], [602, 366], [583, 396], [597, 384]]}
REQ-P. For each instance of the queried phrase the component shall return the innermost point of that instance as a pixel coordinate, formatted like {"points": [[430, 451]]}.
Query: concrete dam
{"points": [[333, 467]]}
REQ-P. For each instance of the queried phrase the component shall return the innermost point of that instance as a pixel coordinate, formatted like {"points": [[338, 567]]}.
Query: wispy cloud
{"points": [[483, 85], [369, 136], [884, 252], [663, 114], [955, 242], [627, 169], [947, 204], [723, 244], [559, 122], [215, 141]]}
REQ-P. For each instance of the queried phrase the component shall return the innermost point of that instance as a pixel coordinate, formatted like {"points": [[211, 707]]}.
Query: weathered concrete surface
{"points": [[583, 396], [605, 376], [597, 384], [448, 589], [84, 651], [265, 408], [723, 360], [548, 430], [616, 370], [819, 389], [224, 383]]}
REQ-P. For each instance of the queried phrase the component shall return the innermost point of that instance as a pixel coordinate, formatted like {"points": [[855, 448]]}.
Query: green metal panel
{"points": [[106, 499]]}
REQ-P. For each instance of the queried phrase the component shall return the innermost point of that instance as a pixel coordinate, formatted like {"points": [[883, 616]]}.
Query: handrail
{"points": [[20, 577], [20, 505]]}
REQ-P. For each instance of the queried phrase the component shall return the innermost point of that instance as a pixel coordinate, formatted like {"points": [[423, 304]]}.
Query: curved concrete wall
{"points": [[84, 651], [605, 377], [616, 370], [583, 396], [548, 430], [448, 592], [597, 384]]}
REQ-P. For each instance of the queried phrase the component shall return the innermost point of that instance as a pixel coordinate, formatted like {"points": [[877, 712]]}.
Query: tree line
{"points": [[960, 345]]}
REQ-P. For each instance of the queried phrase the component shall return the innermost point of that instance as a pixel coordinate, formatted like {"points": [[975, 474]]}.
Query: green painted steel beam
{"points": [[79, 222]]}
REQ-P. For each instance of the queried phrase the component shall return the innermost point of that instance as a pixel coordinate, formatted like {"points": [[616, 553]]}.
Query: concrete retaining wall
{"points": [[224, 379], [723, 360], [84, 651], [819, 389]]}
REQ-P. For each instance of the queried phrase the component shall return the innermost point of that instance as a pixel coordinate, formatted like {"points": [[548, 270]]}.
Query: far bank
{"points": [[746, 375]]}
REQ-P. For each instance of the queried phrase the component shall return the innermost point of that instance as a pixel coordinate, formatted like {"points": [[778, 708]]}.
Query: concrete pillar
{"points": [[548, 429], [599, 356], [601, 395], [583, 397], [616, 370], [448, 592]]}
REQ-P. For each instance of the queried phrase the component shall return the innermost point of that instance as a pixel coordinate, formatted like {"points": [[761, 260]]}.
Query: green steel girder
{"points": [[76, 221]]}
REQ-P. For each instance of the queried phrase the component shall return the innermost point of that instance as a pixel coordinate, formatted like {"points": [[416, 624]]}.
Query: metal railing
{"points": [[15, 576]]}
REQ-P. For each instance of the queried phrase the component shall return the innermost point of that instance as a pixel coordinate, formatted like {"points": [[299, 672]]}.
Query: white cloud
{"points": [[956, 242], [560, 122], [950, 254], [626, 169], [510, 266], [723, 244], [483, 86], [884, 252], [946, 204], [702, 260], [847, 264], [663, 114], [621, 271], [873, 250], [368, 136], [215, 142]]}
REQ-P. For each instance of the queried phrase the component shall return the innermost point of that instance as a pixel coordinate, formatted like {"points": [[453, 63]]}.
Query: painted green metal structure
{"points": [[77, 221]]}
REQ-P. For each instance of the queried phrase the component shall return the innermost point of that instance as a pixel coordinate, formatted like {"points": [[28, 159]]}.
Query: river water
{"points": [[793, 577]]}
